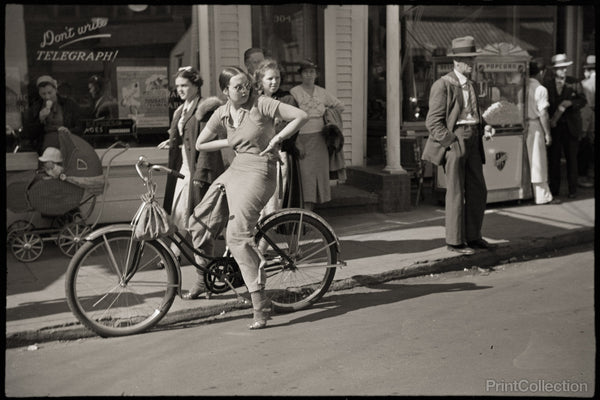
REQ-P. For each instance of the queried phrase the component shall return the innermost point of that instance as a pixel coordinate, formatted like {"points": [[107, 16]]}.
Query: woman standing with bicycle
{"points": [[248, 120], [199, 169]]}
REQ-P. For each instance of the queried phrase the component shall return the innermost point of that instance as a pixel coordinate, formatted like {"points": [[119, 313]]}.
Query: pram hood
{"points": [[80, 158], [82, 165]]}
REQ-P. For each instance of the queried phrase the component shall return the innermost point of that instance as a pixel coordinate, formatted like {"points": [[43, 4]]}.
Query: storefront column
{"points": [[205, 51], [393, 91]]}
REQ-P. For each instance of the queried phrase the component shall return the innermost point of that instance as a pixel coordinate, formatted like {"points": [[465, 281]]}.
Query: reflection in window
{"points": [[131, 53], [427, 32], [288, 33]]}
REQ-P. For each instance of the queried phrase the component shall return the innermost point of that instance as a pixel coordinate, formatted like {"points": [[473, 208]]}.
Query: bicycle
{"points": [[116, 285]]}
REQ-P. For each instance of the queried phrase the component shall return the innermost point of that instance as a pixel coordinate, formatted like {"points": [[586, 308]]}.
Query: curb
{"points": [[518, 250]]}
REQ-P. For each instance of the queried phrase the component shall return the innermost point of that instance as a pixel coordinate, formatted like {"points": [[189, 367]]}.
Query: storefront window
{"points": [[427, 32], [289, 33], [115, 62]]}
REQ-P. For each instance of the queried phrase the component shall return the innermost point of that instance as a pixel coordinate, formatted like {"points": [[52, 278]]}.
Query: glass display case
{"points": [[501, 73]]}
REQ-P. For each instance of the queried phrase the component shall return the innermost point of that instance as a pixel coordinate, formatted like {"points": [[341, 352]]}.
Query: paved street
{"points": [[460, 333]]}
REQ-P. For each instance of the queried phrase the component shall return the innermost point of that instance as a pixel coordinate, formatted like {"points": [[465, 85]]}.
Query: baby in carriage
{"points": [[51, 163]]}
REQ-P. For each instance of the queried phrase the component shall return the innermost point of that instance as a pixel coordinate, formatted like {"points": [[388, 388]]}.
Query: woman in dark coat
{"points": [[199, 168], [49, 113]]}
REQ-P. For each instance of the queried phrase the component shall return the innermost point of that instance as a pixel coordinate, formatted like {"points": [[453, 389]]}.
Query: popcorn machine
{"points": [[501, 75]]}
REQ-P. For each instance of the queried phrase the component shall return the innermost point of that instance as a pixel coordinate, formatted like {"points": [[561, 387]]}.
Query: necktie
{"points": [[182, 120], [471, 105], [559, 85]]}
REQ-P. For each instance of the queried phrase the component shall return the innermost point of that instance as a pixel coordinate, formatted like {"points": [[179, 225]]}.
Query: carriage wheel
{"points": [[26, 246], [71, 237], [62, 221], [17, 227]]}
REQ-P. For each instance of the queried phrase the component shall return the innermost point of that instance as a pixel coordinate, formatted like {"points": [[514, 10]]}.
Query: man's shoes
{"points": [[554, 201], [481, 244], [572, 195], [585, 182], [461, 248]]}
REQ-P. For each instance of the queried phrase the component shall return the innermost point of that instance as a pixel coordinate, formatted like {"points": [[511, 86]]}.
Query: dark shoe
{"points": [[585, 183], [196, 291], [461, 248], [481, 244], [554, 201], [572, 195]]}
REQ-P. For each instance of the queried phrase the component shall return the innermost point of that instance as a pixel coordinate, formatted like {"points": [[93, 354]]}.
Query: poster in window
{"points": [[144, 95]]}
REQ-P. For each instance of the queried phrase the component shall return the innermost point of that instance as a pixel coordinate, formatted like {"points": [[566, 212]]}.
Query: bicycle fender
{"points": [[312, 214], [108, 229]]}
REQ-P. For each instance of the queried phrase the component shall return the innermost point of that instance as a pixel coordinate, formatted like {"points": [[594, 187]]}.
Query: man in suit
{"points": [[455, 142], [566, 100], [586, 145]]}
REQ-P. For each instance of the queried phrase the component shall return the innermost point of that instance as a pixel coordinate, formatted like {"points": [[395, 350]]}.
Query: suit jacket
{"points": [[573, 91], [204, 167], [445, 104]]}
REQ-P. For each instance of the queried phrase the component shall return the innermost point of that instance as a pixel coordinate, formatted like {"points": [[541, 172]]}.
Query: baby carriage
{"points": [[68, 201]]}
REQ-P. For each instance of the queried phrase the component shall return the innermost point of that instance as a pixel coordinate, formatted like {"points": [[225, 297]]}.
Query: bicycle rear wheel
{"points": [[116, 287], [300, 270]]}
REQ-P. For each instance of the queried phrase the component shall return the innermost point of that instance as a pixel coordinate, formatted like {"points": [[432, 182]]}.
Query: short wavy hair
{"points": [[261, 70], [191, 74]]}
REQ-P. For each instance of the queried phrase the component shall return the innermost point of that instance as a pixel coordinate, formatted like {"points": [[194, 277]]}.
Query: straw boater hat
{"points": [[590, 62], [51, 154], [463, 47], [560, 60], [46, 79]]}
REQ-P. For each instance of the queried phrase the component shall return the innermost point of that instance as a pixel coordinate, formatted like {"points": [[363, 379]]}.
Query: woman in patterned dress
{"points": [[313, 153]]}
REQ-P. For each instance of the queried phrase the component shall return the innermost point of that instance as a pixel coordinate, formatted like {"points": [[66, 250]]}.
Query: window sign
{"points": [[55, 45], [144, 95]]}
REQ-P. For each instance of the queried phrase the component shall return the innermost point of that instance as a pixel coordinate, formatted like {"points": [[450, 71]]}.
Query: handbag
{"points": [[151, 221]]}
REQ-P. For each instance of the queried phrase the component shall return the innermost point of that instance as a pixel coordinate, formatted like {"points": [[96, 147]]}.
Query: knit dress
{"points": [[314, 157]]}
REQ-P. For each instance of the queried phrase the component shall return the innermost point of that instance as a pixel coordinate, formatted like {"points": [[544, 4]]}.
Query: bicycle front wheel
{"points": [[301, 253], [117, 286]]}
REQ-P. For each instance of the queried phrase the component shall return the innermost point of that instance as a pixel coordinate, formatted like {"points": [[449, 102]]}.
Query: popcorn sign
{"points": [[501, 67]]}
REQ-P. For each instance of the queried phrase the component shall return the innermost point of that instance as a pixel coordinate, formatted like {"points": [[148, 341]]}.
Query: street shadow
{"points": [[387, 293], [338, 304], [354, 249], [36, 309]]}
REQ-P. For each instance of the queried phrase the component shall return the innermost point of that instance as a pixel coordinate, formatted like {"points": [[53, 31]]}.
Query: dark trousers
{"points": [[466, 192], [585, 155], [562, 142]]}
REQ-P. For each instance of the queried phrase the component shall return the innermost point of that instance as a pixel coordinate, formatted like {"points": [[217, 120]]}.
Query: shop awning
{"points": [[431, 35]]}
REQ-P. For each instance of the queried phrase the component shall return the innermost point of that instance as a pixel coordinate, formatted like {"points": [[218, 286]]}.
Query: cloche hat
{"points": [[46, 79], [51, 154], [463, 47], [307, 63], [590, 62], [560, 60]]}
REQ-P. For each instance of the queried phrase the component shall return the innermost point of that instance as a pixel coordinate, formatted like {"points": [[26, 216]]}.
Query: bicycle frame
{"points": [[188, 251]]}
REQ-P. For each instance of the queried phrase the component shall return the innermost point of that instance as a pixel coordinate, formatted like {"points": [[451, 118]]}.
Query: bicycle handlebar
{"points": [[143, 162]]}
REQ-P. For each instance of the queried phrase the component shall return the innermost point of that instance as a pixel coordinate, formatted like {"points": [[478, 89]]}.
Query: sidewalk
{"points": [[377, 247]]}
